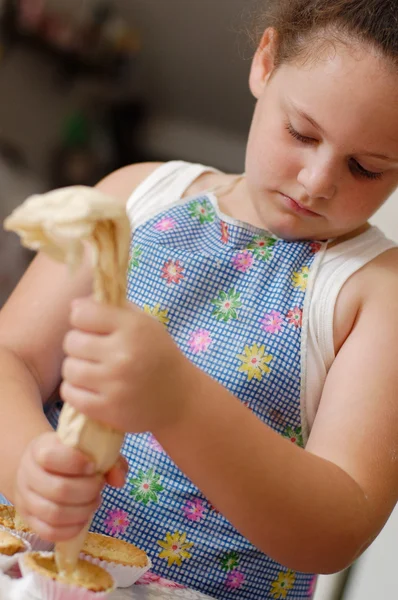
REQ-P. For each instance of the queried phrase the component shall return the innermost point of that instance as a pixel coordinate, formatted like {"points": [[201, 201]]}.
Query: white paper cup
{"points": [[124, 575]]}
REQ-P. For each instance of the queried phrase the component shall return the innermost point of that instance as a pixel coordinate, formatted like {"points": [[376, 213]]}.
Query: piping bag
{"points": [[60, 223]]}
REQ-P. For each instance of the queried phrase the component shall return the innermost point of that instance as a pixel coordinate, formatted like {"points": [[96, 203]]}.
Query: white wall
{"points": [[387, 217]]}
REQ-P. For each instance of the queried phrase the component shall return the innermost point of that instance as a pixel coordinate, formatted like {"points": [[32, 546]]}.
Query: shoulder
{"points": [[372, 289], [121, 183]]}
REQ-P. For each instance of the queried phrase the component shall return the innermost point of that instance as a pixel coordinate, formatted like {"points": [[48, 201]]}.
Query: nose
{"points": [[318, 177]]}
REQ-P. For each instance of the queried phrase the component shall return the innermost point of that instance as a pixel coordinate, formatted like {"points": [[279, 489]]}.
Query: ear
{"points": [[263, 63]]}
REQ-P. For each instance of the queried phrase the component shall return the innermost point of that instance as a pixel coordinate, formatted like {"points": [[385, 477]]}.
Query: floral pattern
{"points": [[172, 271], [224, 232], [255, 362], [157, 313], [283, 584], [262, 247], [226, 305], [300, 278], [243, 261], [165, 224], [175, 548], [295, 317], [272, 322], [315, 246], [295, 435], [235, 580], [195, 510], [154, 444], [202, 210], [135, 256], [116, 522], [230, 561], [146, 487], [199, 341]]}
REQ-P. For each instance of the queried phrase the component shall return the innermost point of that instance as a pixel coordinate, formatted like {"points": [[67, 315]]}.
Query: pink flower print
{"points": [[165, 224], [243, 261], [172, 271], [235, 580], [315, 247], [200, 341], [311, 589], [295, 317], [149, 578], [224, 232], [154, 444], [116, 522], [272, 322], [194, 510]]}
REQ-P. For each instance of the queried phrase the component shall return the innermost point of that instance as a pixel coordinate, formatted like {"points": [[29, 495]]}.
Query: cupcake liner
{"points": [[124, 575], [36, 543], [46, 588], [8, 562]]}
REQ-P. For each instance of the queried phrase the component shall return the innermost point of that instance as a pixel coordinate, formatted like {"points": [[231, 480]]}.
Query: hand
{"points": [[122, 367], [57, 490]]}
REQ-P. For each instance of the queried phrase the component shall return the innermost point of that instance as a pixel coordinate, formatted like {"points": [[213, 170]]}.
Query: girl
{"points": [[259, 343]]}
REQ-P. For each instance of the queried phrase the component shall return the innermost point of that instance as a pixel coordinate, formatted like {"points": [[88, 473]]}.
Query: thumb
{"points": [[116, 476]]}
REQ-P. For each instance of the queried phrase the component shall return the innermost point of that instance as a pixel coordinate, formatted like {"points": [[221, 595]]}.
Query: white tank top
{"points": [[168, 183]]}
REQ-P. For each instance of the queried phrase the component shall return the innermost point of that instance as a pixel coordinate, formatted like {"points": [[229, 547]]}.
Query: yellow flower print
{"points": [[254, 362], [284, 583], [160, 315], [300, 278], [175, 548]]}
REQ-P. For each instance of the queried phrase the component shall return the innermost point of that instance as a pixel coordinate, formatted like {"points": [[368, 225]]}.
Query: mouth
{"points": [[297, 207]]}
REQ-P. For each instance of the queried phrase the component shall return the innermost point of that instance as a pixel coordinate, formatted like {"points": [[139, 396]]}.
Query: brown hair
{"points": [[300, 22]]}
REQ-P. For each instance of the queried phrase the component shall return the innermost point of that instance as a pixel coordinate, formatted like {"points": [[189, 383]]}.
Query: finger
{"points": [[69, 491], [82, 373], [53, 534], [116, 476], [93, 317], [58, 515], [83, 345], [54, 457], [81, 399]]}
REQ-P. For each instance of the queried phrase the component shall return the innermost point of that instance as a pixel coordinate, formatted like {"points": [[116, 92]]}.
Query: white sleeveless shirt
{"points": [[169, 182]]}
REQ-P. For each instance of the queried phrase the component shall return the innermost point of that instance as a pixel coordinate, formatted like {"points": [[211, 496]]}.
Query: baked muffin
{"points": [[9, 520], [11, 548], [10, 544], [124, 561], [111, 549], [87, 582]]}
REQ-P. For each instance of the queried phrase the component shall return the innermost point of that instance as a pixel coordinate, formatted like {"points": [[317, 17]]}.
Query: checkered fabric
{"points": [[232, 298]]}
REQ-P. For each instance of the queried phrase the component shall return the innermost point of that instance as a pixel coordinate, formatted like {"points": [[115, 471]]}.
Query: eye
{"points": [[358, 170], [301, 138]]}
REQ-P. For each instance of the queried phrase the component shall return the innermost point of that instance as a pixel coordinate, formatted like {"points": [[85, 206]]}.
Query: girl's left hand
{"points": [[122, 368]]}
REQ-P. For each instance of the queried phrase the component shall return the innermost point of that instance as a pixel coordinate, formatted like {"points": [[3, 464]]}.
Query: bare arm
{"points": [[312, 510], [33, 324]]}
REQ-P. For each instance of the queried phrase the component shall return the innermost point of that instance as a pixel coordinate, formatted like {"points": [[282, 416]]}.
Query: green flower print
{"points": [[203, 210], [146, 487], [230, 561], [226, 305], [262, 247], [295, 435], [135, 257]]}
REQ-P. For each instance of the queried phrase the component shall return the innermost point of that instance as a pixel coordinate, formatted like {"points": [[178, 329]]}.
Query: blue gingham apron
{"points": [[232, 297]]}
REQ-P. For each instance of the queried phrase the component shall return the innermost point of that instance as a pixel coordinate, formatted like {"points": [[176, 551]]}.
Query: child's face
{"points": [[327, 162]]}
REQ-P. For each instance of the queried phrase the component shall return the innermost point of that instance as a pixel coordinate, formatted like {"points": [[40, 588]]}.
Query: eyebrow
{"points": [[306, 116]]}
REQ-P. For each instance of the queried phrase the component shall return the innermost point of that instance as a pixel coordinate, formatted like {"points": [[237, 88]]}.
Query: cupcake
{"points": [[8, 520], [11, 547], [124, 561], [87, 582]]}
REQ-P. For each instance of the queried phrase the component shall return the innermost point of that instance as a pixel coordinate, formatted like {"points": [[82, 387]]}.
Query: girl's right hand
{"points": [[57, 488]]}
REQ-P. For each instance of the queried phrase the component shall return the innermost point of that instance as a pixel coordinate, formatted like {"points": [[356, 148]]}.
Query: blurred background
{"points": [[88, 86]]}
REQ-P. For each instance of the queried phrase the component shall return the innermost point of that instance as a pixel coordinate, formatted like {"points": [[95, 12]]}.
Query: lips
{"points": [[298, 207]]}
